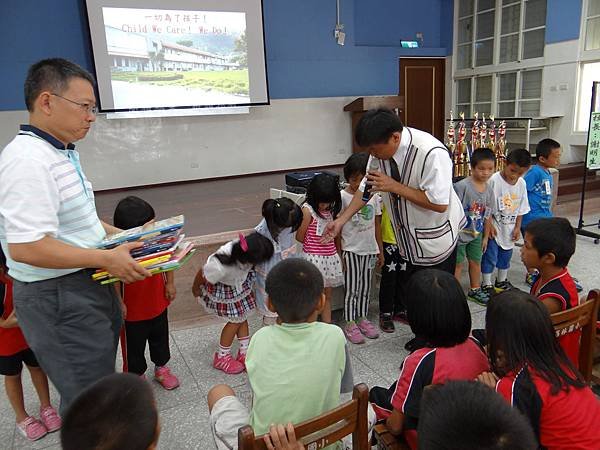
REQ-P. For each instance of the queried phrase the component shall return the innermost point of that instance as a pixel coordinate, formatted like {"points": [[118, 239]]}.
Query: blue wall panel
{"points": [[563, 20], [303, 59]]}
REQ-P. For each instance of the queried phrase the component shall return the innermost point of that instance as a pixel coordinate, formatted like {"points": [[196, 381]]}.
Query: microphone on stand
{"points": [[373, 166]]}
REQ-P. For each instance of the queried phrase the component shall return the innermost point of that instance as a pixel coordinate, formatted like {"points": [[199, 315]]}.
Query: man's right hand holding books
{"points": [[119, 263]]}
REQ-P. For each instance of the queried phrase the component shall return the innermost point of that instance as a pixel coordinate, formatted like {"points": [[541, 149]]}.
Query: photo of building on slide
{"points": [[161, 58]]}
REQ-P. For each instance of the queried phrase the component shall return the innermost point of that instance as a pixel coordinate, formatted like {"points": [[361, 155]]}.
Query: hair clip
{"points": [[277, 204], [243, 243]]}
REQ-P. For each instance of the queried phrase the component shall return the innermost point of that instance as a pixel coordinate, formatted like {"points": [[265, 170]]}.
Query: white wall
{"points": [[287, 134], [559, 94]]}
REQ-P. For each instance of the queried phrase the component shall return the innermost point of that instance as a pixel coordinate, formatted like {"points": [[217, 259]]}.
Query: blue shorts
{"points": [[495, 257]]}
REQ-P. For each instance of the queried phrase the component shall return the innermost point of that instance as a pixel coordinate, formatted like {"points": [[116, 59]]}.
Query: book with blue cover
{"points": [[149, 233]]}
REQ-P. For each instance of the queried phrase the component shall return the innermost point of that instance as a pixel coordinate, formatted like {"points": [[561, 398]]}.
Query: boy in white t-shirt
{"points": [[360, 243], [510, 204]]}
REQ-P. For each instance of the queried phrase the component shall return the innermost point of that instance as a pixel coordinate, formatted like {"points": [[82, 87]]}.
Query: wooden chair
{"points": [[326, 429], [384, 440], [583, 318]]}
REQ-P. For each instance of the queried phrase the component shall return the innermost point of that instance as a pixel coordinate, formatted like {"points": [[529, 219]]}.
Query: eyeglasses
{"points": [[90, 109]]}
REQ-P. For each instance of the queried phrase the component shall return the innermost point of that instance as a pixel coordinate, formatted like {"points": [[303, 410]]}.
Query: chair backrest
{"points": [[326, 429], [582, 317]]}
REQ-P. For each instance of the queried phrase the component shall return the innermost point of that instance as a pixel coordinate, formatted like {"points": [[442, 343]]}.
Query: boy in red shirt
{"points": [[14, 351], [145, 305], [548, 246]]}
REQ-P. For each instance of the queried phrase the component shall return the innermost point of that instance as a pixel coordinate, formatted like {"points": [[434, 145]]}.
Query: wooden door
{"points": [[422, 83]]}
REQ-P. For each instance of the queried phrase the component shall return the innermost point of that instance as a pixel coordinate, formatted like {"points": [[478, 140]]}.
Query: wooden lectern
{"points": [[362, 104]]}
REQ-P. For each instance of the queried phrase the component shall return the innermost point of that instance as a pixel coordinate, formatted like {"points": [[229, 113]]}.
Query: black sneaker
{"points": [[386, 323], [501, 286], [479, 296], [489, 290]]}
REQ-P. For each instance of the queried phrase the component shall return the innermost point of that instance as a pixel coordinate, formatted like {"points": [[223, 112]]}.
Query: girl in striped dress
{"points": [[323, 203], [224, 285]]}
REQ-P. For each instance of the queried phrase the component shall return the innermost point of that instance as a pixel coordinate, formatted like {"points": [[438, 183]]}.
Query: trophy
{"points": [[450, 136], [500, 149], [475, 132], [460, 153], [482, 133], [491, 144]]}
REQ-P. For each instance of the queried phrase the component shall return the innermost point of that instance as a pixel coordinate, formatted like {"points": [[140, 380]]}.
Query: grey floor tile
{"points": [[364, 374], [186, 427], [384, 358], [50, 440], [188, 390], [197, 346]]}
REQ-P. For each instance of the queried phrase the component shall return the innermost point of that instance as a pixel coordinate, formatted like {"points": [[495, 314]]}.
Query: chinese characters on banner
{"points": [[593, 145]]}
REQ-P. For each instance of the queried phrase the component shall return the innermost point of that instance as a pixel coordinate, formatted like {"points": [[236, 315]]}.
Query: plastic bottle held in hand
{"points": [[373, 166]]}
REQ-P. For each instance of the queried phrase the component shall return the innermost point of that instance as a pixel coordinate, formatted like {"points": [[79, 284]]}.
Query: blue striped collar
{"points": [[47, 137]]}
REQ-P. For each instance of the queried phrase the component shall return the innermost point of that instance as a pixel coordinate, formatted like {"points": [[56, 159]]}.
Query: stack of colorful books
{"points": [[162, 249]]}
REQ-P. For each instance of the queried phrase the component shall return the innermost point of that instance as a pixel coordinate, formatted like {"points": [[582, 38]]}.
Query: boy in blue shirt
{"points": [[539, 189]]}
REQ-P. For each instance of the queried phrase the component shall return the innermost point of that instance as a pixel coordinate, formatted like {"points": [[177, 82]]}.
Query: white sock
{"points": [[224, 351], [487, 279], [502, 275], [244, 343]]}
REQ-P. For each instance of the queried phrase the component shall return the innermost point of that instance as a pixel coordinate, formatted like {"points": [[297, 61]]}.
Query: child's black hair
{"points": [[356, 165], [468, 415], [519, 332], [323, 188], [553, 235], [281, 213], [519, 156], [376, 126], [132, 212], [545, 147], [482, 154], [437, 308], [294, 287], [260, 249], [116, 412]]}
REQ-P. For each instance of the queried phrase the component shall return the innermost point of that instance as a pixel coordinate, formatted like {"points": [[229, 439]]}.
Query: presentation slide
{"points": [[149, 58]]}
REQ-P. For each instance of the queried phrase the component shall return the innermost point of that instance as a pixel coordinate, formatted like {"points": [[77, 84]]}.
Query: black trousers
{"points": [[395, 275], [156, 333]]}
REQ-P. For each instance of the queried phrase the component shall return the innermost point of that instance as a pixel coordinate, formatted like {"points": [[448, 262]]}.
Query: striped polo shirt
{"points": [[43, 191]]}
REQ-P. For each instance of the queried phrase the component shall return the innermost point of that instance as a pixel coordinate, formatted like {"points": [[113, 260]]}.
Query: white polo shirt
{"points": [[43, 191]]}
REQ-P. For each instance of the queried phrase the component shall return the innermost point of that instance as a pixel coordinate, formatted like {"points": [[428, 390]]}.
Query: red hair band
{"points": [[243, 243]]}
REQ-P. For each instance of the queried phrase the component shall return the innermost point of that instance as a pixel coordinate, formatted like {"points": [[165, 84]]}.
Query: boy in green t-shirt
{"points": [[296, 369]]}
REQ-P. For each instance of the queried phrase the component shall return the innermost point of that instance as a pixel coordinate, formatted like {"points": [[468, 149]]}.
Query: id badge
{"points": [[372, 262], [320, 227], [548, 187], [501, 205]]}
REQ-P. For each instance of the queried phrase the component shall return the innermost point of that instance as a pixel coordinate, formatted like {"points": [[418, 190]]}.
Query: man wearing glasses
{"points": [[49, 229]]}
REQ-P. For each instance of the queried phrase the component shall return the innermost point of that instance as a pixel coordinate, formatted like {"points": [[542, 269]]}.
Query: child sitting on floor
{"points": [[225, 286], [531, 371], [439, 317], [116, 412], [146, 304], [281, 219], [361, 252], [14, 352], [296, 370], [548, 246]]}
